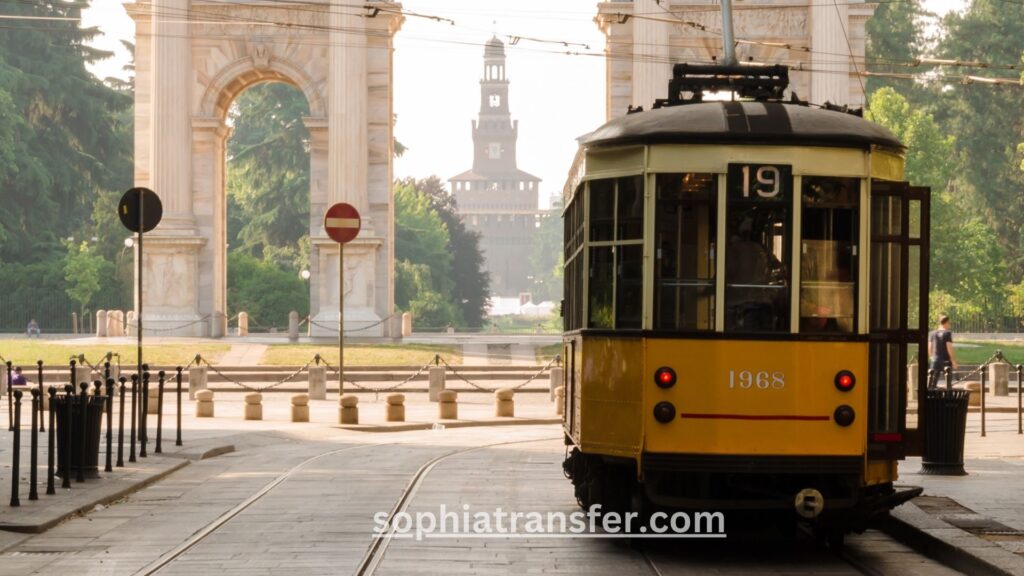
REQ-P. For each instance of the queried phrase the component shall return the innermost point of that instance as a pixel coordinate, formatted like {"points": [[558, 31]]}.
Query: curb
{"points": [[454, 424], [948, 544], [101, 500]]}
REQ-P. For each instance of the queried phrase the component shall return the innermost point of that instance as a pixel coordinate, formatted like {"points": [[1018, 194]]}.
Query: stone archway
{"points": [[192, 59]]}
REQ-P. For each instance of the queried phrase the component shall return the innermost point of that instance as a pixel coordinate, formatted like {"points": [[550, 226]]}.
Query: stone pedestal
{"points": [[82, 374], [555, 380], [406, 324], [318, 382], [204, 404], [912, 380], [504, 405], [999, 376], [974, 399], [293, 326], [348, 410], [254, 406], [153, 399], [436, 376], [101, 323], [196, 380], [395, 410], [560, 400], [243, 324], [300, 408], [448, 406]]}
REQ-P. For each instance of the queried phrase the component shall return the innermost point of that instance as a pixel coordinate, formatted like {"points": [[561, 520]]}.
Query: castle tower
{"points": [[495, 198]]}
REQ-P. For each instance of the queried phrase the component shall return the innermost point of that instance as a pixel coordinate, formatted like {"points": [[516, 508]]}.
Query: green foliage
{"points": [[83, 270], [470, 281], [264, 291], [546, 257], [895, 36]]}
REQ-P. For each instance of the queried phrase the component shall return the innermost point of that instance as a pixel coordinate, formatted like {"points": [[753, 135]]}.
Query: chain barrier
{"points": [[484, 388], [349, 331], [135, 326], [246, 386], [378, 390], [83, 360]]}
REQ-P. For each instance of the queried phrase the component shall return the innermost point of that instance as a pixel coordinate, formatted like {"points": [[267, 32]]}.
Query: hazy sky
{"points": [[555, 97]]}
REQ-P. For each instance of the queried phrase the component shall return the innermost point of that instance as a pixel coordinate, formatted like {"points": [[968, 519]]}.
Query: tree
{"points": [[470, 281], [268, 169], [967, 264], [984, 121], [83, 271], [895, 37], [546, 256], [264, 291]]}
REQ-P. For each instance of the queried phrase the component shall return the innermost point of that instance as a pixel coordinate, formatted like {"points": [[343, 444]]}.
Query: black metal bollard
{"points": [[110, 425], [177, 442], [51, 446], [144, 413], [10, 398], [983, 402], [16, 461], [69, 398], [73, 363], [42, 404], [948, 371], [33, 456], [131, 442], [1020, 385], [162, 376], [106, 368], [84, 429], [931, 378], [120, 423]]}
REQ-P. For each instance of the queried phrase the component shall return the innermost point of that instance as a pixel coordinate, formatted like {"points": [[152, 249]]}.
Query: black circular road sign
{"points": [[128, 209]]}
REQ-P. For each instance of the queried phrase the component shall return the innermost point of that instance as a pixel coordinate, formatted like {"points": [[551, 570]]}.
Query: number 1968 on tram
{"points": [[744, 289]]}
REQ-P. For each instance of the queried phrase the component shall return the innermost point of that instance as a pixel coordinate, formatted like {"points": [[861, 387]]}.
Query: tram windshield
{"points": [[828, 263]]}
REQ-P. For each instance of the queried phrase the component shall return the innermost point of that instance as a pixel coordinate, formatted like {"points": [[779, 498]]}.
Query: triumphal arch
{"points": [[193, 58]]}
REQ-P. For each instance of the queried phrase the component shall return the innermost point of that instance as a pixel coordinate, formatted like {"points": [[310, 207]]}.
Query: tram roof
{"points": [[758, 123]]}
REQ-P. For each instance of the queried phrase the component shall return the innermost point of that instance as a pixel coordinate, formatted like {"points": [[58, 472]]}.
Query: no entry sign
{"points": [[342, 222]]}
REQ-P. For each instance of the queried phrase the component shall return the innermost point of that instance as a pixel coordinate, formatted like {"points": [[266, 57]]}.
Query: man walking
{"points": [[940, 349]]}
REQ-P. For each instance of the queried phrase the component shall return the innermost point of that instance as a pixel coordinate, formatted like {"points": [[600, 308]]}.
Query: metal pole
{"points": [[131, 442], [729, 56], [16, 424], [50, 447], [177, 441], [33, 475], [144, 412], [1020, 385], [983, 378], [110, 425], [84, 410], [120, 424], [341, 319], [949, 376], [138, 303], [10, 399], [160, 410], [69, 397], [42, 405]]}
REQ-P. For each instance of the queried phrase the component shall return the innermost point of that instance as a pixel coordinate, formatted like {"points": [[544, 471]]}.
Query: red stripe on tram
{"points": [[754, 417]]}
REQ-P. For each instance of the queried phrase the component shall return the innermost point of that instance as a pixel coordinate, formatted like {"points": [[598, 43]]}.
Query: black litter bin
{"points": [[945, 427], [85, 451]]}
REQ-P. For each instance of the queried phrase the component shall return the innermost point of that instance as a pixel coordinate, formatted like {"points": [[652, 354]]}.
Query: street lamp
{"points": [[304, 274]]}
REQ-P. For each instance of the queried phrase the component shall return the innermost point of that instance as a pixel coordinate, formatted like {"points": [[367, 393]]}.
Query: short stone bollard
{"points": [[560, 400], [254, 406], [435, 375], [318, 382], [448, 405], [554, 381], [204, 404], [101, 323], [974, 399], [300, 407], [243, 324], [130, 323], [504, 405], [196, 381], [348, 411], [395, 408]]}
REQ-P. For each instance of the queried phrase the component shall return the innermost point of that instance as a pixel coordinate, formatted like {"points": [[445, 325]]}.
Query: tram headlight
{"points": [[664, 412], [665, 377], [844, 415], [845, 381]]}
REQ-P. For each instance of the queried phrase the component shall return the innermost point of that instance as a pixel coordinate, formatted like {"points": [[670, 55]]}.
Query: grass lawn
{"points": [[546, 353], [361, 354], [24, 352], [979, 351]]}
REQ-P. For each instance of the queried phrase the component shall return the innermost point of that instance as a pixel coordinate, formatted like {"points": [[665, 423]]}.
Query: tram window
{"points": [[685, 231], [602, 275], [572, 308], [629, 267], [828, 259], [630, 208], [883, 398], [602, 210], [757, 256]]}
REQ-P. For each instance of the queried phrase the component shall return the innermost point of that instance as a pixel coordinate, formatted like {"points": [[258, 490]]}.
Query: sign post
{"points": [[140, 210], [342, 224]]}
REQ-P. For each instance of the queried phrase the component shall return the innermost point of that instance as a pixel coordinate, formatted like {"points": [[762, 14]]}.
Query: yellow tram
{"points": [[743, 291]]}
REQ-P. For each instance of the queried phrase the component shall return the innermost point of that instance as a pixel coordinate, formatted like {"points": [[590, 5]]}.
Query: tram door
{"points": [[897, 316]]}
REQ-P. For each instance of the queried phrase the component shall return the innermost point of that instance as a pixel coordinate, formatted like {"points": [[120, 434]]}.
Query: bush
{"points": [[264, 291]]}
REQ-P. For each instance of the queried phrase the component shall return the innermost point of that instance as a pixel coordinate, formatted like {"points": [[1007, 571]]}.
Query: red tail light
{"points": [[665, 377], [845, 381]]}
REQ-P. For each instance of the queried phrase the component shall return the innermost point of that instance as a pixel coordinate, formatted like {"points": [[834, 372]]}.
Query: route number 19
{"points": [[766, 181]]}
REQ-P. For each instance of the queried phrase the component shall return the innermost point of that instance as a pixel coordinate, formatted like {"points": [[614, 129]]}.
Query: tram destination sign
{"points": [[760, 182]]}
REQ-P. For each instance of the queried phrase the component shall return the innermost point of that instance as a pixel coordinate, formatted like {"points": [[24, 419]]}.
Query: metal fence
{"points": [[53, 312]]}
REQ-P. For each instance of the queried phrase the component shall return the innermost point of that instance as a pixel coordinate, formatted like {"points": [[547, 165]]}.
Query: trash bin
{"points": [[945, 426], [85, 452]]}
